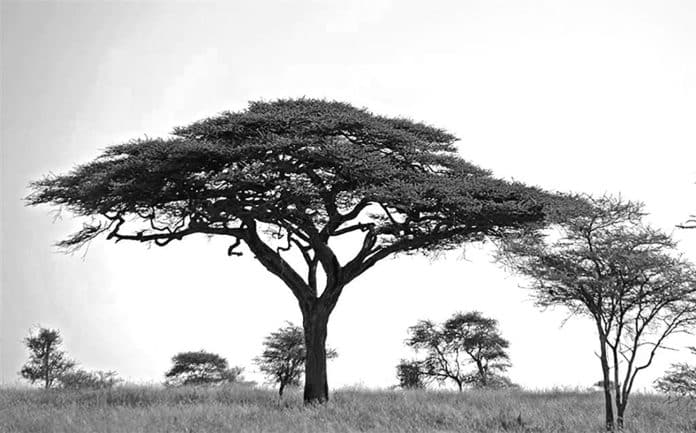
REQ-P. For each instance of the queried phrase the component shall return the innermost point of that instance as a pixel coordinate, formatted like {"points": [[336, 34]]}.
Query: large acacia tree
{"points": [[290, 176]]}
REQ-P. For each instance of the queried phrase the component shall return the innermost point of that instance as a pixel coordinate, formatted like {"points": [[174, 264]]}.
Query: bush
{"points": [[83, 379]]}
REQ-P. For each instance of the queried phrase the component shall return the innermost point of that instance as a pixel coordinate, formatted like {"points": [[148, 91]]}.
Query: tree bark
{"points": [[608, 406], [482, 373], [315, 322], [620, 415]]}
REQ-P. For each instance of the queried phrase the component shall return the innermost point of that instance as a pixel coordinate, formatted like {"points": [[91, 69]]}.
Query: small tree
{"points": [[47, 361], [679, 381], [465, 338], [288, 178], [409, 375], [200, 368], [284, 355], [624, 275]]}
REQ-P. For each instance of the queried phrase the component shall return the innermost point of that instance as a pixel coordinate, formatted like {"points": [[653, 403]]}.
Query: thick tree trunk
{"points": [[281, 388], [316, 386]]}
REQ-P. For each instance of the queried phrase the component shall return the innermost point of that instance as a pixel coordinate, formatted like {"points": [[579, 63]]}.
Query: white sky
{"points": [[586, 96]]}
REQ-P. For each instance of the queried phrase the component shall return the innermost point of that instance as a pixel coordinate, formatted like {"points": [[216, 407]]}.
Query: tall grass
{"points": [[131, 409]]}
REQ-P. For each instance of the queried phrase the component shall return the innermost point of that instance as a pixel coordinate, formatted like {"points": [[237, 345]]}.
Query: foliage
{"points": [[465, 338], [679, 381], [47, 361], [200, 368], [289, 177], [627, 277], [83, 379], [409, 375], [283, 357]]}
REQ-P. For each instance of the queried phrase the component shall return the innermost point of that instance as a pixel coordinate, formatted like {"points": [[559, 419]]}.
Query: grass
{"points": [[237, 409]]}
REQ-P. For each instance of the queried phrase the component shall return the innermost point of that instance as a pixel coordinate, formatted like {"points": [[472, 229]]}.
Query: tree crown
{"points": [[304, 171]]}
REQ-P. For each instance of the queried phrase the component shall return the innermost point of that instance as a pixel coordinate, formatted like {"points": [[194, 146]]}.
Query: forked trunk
{"points": [[316, 386], [620, 414]]}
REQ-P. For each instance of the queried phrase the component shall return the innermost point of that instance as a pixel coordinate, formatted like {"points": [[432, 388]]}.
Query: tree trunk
{"points": [[482, 373], [47, 377], [316, 386], [281, 388], [608, 406], [620, 414]]}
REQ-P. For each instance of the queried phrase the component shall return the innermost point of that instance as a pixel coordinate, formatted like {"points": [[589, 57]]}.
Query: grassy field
{"points": [[235, 409]]}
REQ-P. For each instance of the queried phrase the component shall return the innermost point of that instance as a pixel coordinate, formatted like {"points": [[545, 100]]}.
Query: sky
{"points": [[593, 97]]}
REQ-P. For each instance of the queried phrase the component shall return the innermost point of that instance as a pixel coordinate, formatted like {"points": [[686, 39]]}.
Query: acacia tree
{"points": [[200, 368], [465, 338], [47, 360], [284, 355], [288, 177], [624, 275]]}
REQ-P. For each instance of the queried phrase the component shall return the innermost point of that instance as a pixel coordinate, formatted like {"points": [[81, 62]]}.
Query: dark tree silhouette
{"points": [[465, 338], [200, 368], [288, 177], [47, 360], [679, 381], [409, 375], [284, 355], [624, 275]]}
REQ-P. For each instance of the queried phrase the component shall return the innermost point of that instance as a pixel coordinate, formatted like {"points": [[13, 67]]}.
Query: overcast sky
{"points": [[584, 96]]}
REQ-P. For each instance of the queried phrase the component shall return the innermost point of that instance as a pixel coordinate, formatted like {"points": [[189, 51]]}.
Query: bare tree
{"points": [[626, 276]]}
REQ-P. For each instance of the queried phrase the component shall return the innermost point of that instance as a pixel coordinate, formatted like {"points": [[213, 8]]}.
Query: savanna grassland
{"points": [[238, 409]]}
